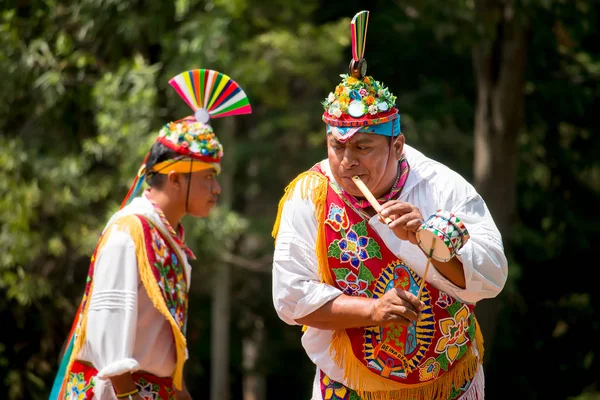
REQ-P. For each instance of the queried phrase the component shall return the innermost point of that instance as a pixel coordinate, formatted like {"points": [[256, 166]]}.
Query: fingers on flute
{"points": [[410, 298], [401, 221], [396, 208], [386, 220], [404, 313], [410, 222]]}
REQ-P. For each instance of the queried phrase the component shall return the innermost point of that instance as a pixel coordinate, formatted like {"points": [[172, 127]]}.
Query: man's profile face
{"points": [[366, 155], [203, 192]]}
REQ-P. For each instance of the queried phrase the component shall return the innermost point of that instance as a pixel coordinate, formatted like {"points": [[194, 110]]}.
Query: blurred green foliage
{"points": [[84, 91]]}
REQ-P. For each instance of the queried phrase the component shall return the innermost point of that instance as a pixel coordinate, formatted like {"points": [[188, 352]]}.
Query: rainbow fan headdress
{"points": [[360, 103], [210, 94]]}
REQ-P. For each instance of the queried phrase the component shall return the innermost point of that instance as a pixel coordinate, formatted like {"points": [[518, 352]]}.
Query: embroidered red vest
{"points": [[162, 273], [169, 273], [426, 359]]}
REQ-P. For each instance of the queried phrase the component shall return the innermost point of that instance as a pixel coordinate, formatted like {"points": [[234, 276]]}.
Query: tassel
{"points": [[75, 339], [58, 388], [137, 183], [370, 386], [314, 184]]}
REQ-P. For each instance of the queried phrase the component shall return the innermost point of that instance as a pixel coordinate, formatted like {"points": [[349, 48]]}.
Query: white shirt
{"points": [[125, 332], [298, 291]]}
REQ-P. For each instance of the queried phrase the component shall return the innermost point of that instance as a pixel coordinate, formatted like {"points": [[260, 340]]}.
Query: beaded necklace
{"points": [[179, 236]]}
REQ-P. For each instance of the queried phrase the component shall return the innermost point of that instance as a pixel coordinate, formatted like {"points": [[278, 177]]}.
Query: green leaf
{"points": [[471, 328], [373, 249], [364, 273], [454, 307], [360, 229], [341, 273], [334, 250], [443, 360], [461, 352], [354, 396]]}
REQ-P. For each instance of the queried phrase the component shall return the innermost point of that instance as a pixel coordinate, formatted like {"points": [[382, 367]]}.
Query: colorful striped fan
{"points": [[211, 94], [358, 29]]}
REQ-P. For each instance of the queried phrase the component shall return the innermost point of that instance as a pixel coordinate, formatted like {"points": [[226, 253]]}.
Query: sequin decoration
{"points": [[193, 139]]}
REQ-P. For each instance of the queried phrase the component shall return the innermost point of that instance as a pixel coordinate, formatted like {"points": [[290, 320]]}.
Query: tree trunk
{"points": [[499, 66], [254, 379], [255, 338], [219, 386], [221, 308]]}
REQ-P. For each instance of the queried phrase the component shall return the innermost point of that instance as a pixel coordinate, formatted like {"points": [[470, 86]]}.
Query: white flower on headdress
{"points": [[331, 97], [195, 147], [337, 113], [382, 106], [381, 93], [373, 109]]}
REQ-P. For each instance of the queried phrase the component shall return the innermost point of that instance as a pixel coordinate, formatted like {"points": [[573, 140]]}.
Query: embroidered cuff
{"points": [[442, 235]]}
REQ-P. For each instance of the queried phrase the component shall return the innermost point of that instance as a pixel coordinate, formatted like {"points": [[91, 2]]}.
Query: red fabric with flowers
{"points": [[361, 265], [81, 381]]}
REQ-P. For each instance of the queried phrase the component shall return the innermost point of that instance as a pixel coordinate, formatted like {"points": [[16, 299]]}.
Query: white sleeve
{"points": [[484, 262], [297, 289], [113, 308]]}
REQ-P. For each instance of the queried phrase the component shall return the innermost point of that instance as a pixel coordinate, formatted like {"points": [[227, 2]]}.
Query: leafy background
{"points": [[84, 91]]}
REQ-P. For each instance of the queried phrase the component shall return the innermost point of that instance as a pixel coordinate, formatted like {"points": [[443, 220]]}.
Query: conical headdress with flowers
{"points": [[210, 94], [360, 103]]}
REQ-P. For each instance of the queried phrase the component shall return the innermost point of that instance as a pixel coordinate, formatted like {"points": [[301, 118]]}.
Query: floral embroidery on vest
{"points": [[170, 275], [81, 381], [152, 391], [78, 386], [354, 247], [396, 350], [362, 265], [332, 390]]}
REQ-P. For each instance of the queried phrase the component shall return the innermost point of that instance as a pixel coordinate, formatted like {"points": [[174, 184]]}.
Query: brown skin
{"points": [[344, 312], [367, 156], [203, 194], [171, 198], [370, 157]]}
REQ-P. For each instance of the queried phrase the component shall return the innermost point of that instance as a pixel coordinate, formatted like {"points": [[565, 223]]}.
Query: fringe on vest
{"points": [[370, 386], [133, 226], [314, 184]]}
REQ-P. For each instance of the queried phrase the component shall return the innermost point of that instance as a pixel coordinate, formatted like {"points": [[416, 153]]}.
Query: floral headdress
{"points": [[192, 139], [209, 94], [360, 103], [356, 98]]}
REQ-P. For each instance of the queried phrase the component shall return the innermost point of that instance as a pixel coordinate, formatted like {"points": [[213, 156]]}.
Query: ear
{"points": [[175, 180], [399, 146]]}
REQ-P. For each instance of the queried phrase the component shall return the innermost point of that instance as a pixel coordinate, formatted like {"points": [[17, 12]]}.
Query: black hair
{"points": [[158, 153]]}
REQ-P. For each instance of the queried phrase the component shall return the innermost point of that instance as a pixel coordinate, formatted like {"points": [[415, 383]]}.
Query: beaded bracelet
{"points": [[128, 394]]}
